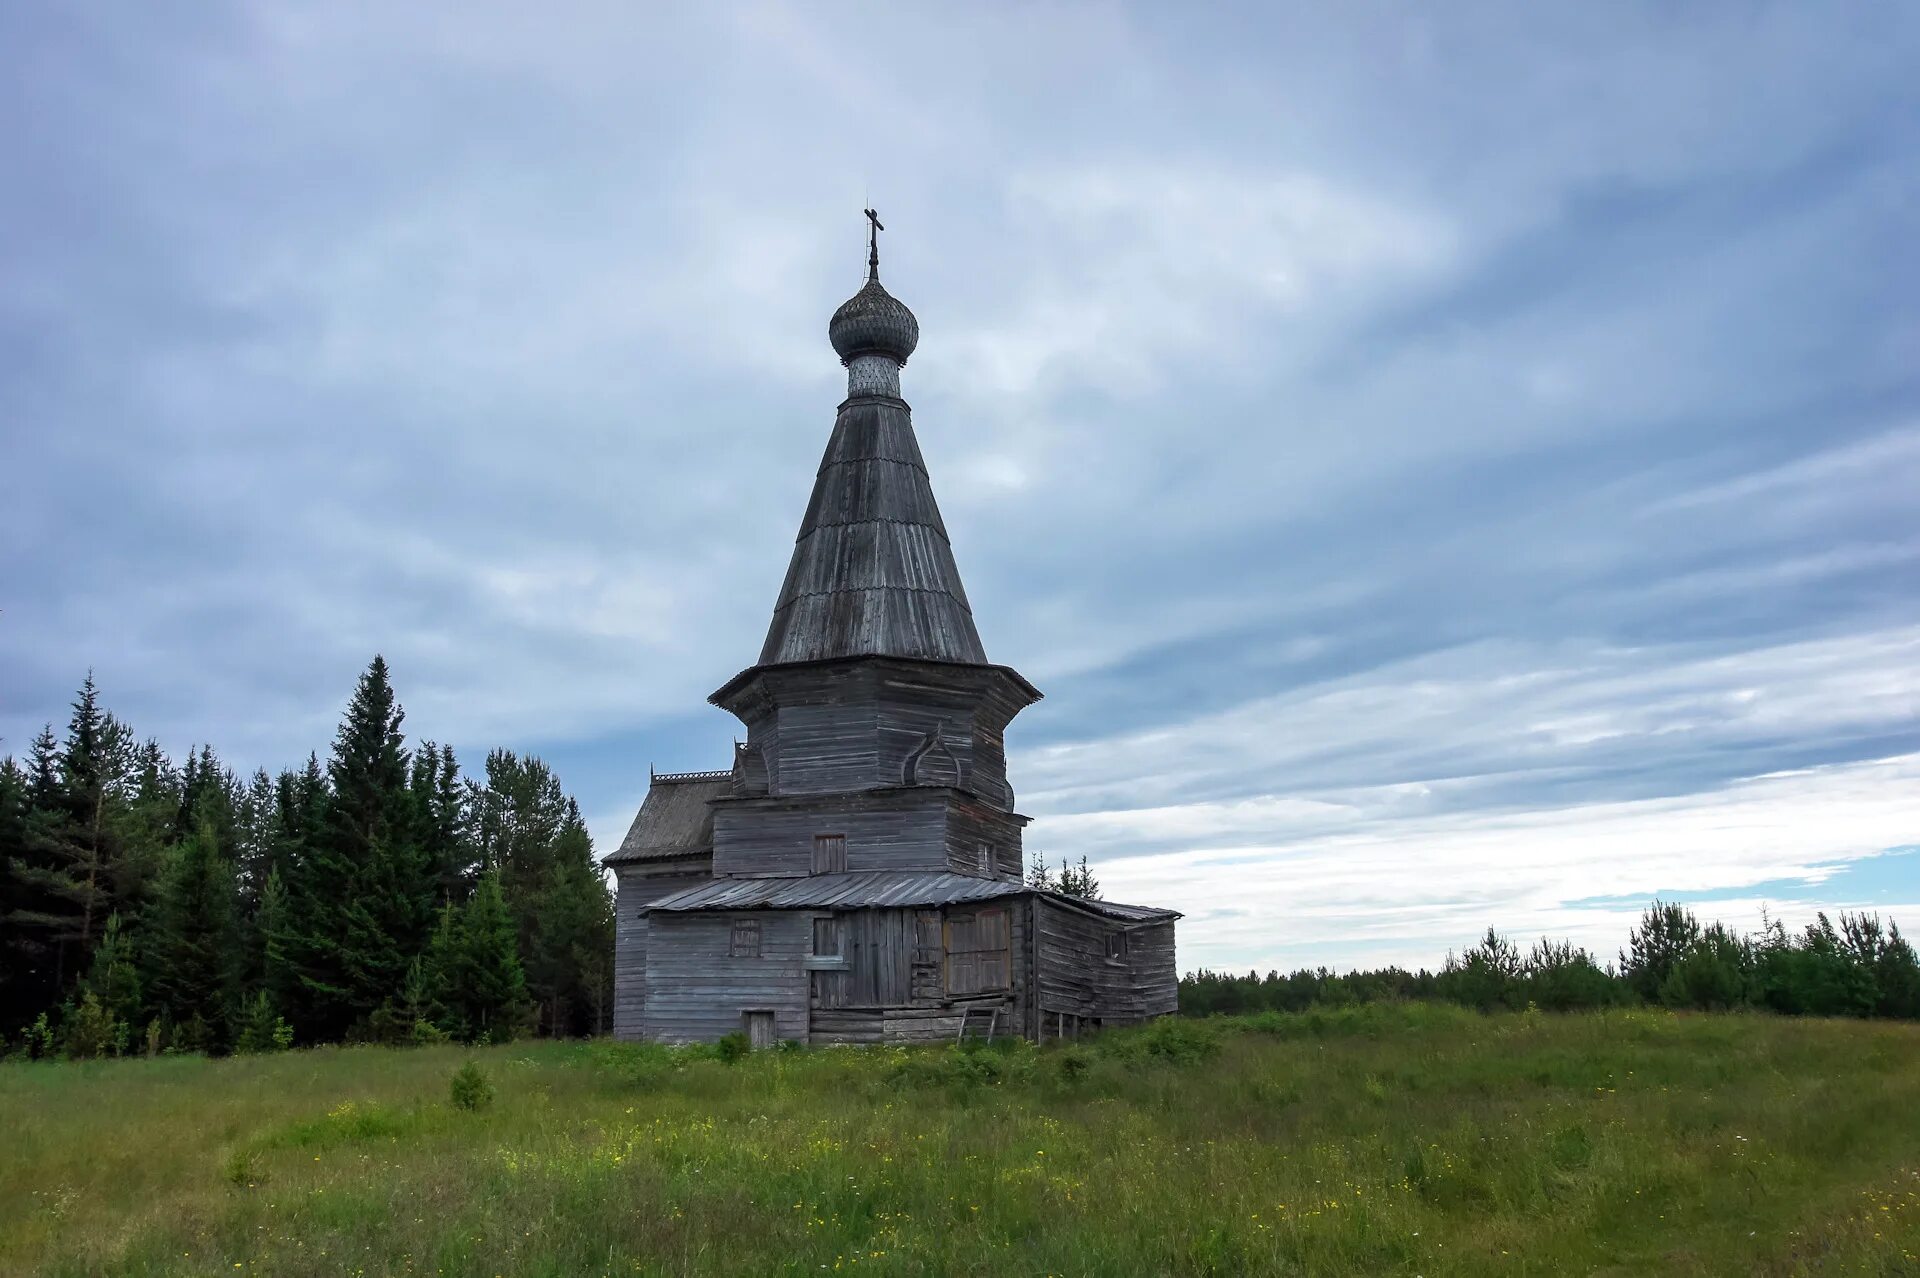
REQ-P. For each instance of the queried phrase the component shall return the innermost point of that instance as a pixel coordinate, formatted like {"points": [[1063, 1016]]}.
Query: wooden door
{"points": [[978, 951], [759, 1028]]}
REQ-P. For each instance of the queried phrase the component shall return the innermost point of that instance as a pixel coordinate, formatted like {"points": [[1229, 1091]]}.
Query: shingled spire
{"points": [[872, 572]]}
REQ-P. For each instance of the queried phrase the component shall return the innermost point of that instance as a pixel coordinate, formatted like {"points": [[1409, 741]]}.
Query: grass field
{"points": [[1384, 1140]]}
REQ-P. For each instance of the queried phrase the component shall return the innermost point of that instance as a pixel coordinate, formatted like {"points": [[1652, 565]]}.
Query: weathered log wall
{"points": [[637, 885], [1077, 975], [885, 830], [1156, 982], [839, 726], [697, 989], [871, 1025], [902, 828]]}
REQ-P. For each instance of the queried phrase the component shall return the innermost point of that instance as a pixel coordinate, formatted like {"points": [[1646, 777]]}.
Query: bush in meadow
{"points": [[470, 1089]]}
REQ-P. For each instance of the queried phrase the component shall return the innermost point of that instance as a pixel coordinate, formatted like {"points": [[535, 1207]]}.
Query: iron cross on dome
{"points": [[873, 245]]}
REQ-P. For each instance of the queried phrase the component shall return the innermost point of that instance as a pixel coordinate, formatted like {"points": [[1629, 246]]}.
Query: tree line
{"points": [[1857, 967], [380, 896]]}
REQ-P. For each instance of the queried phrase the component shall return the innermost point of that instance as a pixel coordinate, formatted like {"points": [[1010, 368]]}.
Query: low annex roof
{"points": [[879, 889], [674, 820]]}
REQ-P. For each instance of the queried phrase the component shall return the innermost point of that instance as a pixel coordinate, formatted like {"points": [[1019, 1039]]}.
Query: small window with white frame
{"points": [[745, 939]]}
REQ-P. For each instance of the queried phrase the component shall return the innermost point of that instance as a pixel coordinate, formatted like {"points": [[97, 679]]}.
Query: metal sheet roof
{"points": [[877, 889]]}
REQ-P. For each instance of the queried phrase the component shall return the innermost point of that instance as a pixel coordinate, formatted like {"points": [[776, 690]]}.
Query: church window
{"points": [[745, 941], [985, 854], [829, 853]]}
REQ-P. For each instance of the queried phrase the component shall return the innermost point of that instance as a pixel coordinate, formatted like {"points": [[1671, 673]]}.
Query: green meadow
{"points": [[1392, 1139]]}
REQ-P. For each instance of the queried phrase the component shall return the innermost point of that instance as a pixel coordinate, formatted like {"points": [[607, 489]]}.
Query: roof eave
{"points": [[726, 691]]}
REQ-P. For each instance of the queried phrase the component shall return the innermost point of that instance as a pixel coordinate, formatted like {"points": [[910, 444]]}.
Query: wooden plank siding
{"points": [[970, 824], [835, 727], [900, 829], [635, 887], [1075, 975], [906, 966], [865, 871], [1156, 980], [697, 991], [871, 1025]]}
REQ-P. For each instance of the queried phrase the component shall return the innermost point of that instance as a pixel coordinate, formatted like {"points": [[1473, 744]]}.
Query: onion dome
{"points": [[873, 322]]}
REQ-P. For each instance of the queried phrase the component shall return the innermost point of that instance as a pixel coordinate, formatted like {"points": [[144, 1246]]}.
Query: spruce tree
{"points": [[482, 983], [193, 947], [90, 775], [443, 822], [25, 963], [518, 816], [361, 899], [1077, 880], [569, 958], [72, 847], [209, 799], [114, 977], [277, 978], [43, 771], [146, 828]]}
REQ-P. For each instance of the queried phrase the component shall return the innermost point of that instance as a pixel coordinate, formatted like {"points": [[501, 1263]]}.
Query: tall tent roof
{"points": [[872, 571]]}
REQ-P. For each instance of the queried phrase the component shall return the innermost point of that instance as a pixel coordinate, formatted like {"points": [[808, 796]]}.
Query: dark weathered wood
{"points": [[901, 828], [637, 885], [697, 991], [832, 726], [1075, 976], [875, 754], [872, 572]]}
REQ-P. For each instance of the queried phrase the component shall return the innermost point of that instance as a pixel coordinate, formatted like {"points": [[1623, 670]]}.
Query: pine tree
{"points": [[261, 842], [260, 1027], [302, 799], [518, 817], [1667, 932], [258, 858]]}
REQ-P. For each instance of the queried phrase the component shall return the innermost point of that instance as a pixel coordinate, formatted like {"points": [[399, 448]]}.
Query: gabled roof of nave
{"points": [[675, 820]]}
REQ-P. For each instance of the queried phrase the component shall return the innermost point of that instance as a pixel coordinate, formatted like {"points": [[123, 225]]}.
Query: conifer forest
{"points": [[378, 894]]}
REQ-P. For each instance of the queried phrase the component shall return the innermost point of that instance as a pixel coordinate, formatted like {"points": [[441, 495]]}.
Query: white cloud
{"points": [[1137, 273], [1366, 425], [1406, 890]]}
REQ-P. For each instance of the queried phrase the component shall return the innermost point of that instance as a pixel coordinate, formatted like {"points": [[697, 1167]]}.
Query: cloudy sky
{"points": [[1445, 466]]}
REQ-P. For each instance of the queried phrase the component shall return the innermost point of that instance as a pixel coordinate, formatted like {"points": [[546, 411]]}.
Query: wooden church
{"points": [[856, 875]]}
